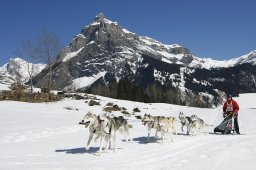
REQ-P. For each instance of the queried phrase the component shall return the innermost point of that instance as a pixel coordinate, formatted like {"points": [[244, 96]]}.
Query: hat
{"points": [[229, 96]]}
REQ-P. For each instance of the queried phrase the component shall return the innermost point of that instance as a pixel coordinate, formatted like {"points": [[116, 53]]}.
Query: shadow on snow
{"points": [[92, 150], [144, 139], [78, 150]]}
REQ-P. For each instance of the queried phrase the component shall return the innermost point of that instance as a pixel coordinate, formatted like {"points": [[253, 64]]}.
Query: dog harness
{"points": [[93, 129]]}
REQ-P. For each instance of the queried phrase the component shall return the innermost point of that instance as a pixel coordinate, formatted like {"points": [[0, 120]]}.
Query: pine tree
{"points": [[124, 89], [138, 93]]}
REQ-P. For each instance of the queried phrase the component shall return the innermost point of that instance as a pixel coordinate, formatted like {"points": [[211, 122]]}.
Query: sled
{"points": [[226, 126]]}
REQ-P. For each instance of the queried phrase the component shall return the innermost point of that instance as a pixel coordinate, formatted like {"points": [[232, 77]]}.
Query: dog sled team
{"points": [[105, 127]]}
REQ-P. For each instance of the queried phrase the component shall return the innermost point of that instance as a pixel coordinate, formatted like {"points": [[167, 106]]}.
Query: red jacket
{"points": [[232, 104]]}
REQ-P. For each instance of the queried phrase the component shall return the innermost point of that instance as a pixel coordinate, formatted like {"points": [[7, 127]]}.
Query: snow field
{"points": [[47, 136]]}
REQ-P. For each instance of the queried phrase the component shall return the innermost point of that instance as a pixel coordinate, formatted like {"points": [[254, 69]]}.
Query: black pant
{"points": [[236, 125]]}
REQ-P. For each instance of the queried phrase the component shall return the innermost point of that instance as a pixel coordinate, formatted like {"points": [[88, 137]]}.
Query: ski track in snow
{"points": [[54, 140], [37, 134]]}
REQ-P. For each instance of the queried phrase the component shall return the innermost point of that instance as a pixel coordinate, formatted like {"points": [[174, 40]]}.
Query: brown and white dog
{"points": [[197, 124], [160, 123], [167, 125]]}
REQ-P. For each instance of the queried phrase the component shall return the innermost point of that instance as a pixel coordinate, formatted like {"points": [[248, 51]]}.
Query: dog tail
{"points": [[125, 129], [178, 121], [130, 126]]}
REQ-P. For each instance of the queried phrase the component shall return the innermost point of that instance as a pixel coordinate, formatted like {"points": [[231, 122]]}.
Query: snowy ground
{"points": [[47, 136]]}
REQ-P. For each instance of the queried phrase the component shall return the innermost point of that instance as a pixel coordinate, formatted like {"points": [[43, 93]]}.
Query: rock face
{"points": [[104, 52]]}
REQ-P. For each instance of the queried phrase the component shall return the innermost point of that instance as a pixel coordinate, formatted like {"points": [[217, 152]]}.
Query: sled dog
{"points": [[95, 127], [105, 128], [152, 123], [185, 121], [197, 124], [114, 124], [167, 125]]}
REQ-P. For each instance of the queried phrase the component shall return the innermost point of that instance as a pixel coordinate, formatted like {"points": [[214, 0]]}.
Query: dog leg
{"points": [[194, 132], [101, 144], [171, 137], [110, 142], [149, 130], [89, 141], [188, 130], [162, 134], [107, 140], [127, 137], [114, 141], [195, 129], [182, 127], [174, 130], [156, 133], [128, 134], [96, 139]]}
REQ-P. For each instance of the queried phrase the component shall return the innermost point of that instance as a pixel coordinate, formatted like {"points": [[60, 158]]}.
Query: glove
{"points": [[224, 114], [235, 114]]}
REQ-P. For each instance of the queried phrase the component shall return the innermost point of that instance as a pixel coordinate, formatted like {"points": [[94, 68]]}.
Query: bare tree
{"points": [[29, 52], [48, 48], [45, 47]]}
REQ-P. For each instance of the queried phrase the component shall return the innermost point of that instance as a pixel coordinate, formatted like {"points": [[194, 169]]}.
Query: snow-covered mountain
{"points": [[17, 70], [104, 52], [131, 45]]}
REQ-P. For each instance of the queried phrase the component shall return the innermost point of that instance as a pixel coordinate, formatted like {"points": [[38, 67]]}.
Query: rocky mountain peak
{"points": [[101, 21], [100, 16]]}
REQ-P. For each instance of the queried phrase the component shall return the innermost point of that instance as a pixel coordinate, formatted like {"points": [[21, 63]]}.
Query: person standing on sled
{"points": [[231, 108]]}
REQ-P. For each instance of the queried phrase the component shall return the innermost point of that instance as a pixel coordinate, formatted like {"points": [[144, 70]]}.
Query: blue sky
{"points": [[220, 29]]}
